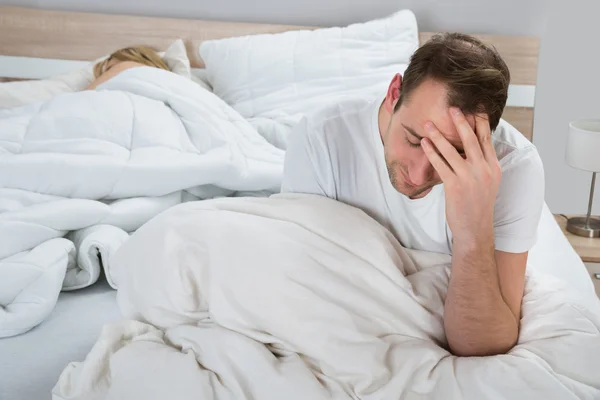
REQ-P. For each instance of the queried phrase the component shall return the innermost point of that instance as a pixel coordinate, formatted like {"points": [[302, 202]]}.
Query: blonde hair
{"points": [[140, 54]]}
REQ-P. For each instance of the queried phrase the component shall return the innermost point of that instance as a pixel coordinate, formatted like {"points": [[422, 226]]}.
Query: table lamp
{"points": [[583, 152]]}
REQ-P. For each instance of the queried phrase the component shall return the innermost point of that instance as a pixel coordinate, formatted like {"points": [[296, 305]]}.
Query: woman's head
{"points": [[139, 54]]}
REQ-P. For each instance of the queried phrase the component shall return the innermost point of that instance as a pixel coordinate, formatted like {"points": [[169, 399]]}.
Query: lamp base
{"points": [[577, 227]]}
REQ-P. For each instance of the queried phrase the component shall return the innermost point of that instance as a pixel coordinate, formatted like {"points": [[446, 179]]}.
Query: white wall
{"points": [[568, 89], [569, 71], [512, 17]]}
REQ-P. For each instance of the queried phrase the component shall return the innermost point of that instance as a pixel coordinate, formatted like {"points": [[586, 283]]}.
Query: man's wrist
{"points": [[473, 241]]}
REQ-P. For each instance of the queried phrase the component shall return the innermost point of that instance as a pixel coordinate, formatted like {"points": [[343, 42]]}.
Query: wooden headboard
{"points": [[84, 36]]}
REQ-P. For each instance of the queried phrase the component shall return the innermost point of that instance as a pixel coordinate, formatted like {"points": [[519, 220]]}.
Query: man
{"points": [[425, 164]]}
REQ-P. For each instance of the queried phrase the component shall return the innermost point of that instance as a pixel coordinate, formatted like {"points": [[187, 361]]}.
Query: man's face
{"points": [[410, 171]]}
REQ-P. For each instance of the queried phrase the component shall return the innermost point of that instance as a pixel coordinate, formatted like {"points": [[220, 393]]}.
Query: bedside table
{"points": [[588, 249]]}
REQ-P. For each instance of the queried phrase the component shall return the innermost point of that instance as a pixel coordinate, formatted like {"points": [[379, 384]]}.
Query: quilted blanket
{"points": [[302, 297], [80, 172]]}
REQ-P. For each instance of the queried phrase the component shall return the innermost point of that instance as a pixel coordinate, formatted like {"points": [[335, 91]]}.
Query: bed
{"points": [[59, 41], [32, 362]]}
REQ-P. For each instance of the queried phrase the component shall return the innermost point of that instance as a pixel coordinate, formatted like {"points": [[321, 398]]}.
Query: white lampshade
{"points": [[583, 146]]}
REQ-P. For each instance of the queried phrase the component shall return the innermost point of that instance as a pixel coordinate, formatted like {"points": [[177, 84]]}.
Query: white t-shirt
{"points": [[339, 154]]}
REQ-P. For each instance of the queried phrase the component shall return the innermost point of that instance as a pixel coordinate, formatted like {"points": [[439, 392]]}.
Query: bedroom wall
{"points": [[491, 16], [568, 88]]}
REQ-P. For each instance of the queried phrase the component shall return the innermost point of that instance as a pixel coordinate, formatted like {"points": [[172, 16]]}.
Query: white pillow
{"points": [[177, 59], [15, 94], [279, 76]]}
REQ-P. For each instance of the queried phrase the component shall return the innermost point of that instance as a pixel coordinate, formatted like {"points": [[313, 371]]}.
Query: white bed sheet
{"points": [[31, 363], [554, 255]]}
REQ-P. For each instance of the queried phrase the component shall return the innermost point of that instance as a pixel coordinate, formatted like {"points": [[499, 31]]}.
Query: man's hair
{"points": [[475, 75]]}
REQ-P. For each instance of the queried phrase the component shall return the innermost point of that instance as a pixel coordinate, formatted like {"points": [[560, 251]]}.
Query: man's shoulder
{"points": [[512, 147], [339, 114], [325, 146]]}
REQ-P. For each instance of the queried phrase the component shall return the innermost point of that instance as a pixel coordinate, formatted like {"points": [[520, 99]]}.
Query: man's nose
{"points": [[422, 171]]}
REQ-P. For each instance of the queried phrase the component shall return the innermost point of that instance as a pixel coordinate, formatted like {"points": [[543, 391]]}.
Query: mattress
{"points": [[30, 364]]}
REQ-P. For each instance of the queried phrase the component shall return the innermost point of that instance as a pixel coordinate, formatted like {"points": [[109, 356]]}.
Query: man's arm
{"points": [[482, 308], [511, 273], [483, 304]]}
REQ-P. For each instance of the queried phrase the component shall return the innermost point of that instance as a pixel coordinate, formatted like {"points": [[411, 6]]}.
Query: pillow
{"points": [[278, 76], [200, 76], [177, 59], [15, 94]]}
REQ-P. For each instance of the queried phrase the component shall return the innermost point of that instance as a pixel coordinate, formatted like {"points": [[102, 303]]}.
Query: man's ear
{"points": [[393, 93]]}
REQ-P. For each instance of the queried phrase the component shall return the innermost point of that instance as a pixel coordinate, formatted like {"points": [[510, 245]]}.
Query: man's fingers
{"points": [[442, 168], [450, 154], [484, 134], [469, 139]]}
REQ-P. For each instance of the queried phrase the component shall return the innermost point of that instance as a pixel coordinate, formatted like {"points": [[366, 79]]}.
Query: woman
{"points": [[120, 60]]}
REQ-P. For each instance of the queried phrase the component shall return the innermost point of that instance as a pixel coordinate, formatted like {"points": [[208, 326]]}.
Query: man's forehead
{"points": [[430, 103], [450, 132]]}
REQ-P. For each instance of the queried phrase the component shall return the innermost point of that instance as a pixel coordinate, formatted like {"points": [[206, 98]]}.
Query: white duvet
{"points": [[82, 170], [302, 297]]}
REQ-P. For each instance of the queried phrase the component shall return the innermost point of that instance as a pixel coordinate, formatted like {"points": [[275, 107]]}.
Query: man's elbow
{"points": [[474, 347]]}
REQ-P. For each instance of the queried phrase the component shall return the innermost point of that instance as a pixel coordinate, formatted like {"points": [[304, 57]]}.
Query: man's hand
{"points": [[478, 317], [470, 183]]}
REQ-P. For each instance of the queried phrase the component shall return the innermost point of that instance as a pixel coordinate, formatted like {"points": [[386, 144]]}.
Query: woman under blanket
{"points": [[123, 59], [113, 157]]}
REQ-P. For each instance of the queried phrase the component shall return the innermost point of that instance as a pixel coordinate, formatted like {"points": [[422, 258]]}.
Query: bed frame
{"points": [[30, 36]]}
